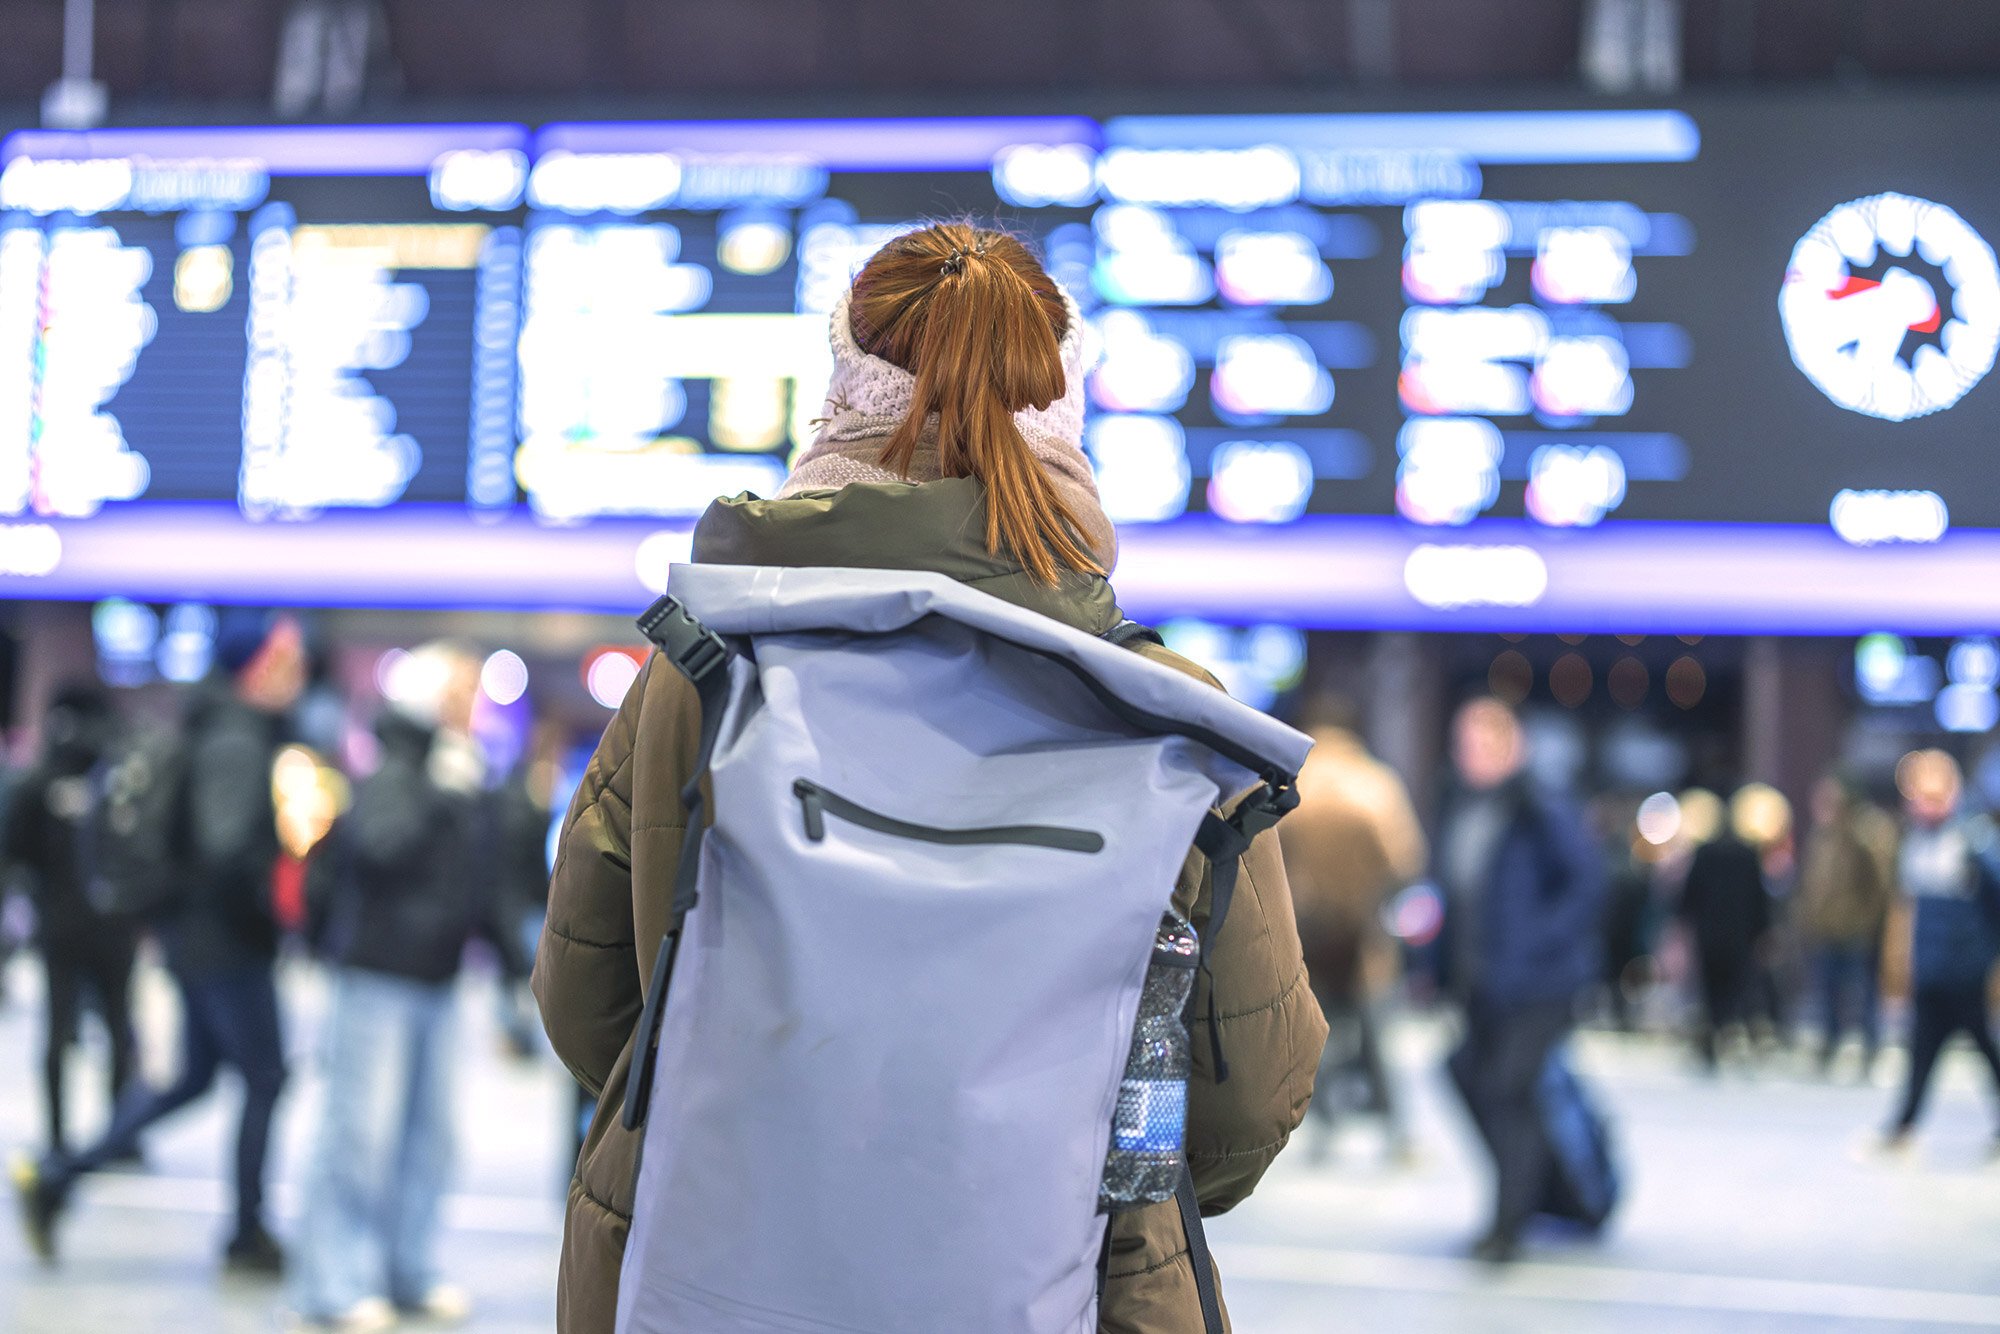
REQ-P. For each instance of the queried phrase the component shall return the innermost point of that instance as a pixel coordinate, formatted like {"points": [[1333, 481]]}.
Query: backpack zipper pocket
{"points": [[816, 803]]}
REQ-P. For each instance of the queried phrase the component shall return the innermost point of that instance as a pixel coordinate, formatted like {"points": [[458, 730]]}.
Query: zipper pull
{"points": [[814, 810]]}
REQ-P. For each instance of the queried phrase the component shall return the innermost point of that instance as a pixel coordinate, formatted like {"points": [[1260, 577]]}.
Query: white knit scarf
{"points": [[869, 397]]}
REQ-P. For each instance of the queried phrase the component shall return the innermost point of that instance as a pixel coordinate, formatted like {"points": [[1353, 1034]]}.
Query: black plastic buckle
{"points": [[703, 656], [692, 647], [1277, 798]]}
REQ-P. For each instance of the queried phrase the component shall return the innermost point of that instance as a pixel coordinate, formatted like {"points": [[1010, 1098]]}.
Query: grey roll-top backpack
{"points": [[883, 1061]]}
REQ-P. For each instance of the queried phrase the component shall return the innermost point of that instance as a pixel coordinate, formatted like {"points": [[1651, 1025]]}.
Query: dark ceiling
{"points": [[196, 50]]}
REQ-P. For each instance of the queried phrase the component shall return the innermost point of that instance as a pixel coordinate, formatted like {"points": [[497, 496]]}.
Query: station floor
{"points": [[1751, 1205]]}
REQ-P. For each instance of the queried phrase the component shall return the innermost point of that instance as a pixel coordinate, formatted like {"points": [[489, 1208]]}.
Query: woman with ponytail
{"points": [[955, 355], [951, 443]]}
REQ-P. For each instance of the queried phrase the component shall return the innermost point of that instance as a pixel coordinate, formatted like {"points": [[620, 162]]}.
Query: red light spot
{"points": [[1851, 285], [1416, 398]]}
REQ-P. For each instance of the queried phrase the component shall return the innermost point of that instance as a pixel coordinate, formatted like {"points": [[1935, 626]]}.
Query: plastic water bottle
{"points": [[1149, 1126]]}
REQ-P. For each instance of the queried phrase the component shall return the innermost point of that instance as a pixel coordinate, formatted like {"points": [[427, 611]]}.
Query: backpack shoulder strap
{"points": [[702, 656]]}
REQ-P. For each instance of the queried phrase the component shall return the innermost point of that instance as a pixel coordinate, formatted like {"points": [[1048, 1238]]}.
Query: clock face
{"points": [[1891, 305]]}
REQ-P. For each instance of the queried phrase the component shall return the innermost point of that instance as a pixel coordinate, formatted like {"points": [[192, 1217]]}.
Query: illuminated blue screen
{"points": [[1492, 336]]}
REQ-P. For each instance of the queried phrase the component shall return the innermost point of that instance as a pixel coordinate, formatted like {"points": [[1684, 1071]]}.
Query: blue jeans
{"points": [[229, 1016], [1840, 971], [383, 1156]]}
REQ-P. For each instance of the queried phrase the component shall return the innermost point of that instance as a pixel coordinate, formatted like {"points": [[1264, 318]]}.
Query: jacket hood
{"points": [[938, 527]]}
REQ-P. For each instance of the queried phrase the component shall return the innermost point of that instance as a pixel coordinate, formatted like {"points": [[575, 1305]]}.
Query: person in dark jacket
{"points": [[1524, 888], [399, 904], [515, 820], [83, 949], [1629, 920], [220, 937], [1949, 871], [1727, 907]]}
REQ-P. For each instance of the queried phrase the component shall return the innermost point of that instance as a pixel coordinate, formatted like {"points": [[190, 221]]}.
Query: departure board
{"points": [[1729, 315], [597, 321]]}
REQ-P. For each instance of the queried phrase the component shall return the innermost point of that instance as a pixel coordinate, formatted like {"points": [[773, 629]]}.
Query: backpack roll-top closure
{"points": [[753, 600]]}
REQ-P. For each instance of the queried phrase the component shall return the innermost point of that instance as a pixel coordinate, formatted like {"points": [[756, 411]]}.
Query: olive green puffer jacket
{"points": [[624, 829]]}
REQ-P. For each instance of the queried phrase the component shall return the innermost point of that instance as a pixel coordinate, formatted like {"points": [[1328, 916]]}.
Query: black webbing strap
{"points": [[1198, 1256], [701, 656], [1223, 843]]}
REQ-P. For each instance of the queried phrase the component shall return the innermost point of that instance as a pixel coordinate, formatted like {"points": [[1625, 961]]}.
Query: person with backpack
{"points": [[220, 938], [1949, 865], [48, 839], [941, 548], [397, 892], [1523, 886]]}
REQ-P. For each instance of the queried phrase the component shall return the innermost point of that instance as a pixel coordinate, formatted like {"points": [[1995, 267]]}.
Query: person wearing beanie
{"points": [[950, 443], [219, 934]]}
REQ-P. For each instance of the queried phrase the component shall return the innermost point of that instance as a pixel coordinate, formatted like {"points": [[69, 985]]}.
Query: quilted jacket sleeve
{"points": [[1271, 1031], [586, 974]]}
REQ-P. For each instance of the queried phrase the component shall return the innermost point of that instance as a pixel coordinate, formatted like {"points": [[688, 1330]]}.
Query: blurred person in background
{"points": [[1762, 817], [220, 937], [1524, 890], [1701, 815], [398, 894], [1948, 869], [1846, 885], [46, 841], [1353, 841], [518, 815], [1727, 908], [1629, 920], [521, 814], [1698, 817]]}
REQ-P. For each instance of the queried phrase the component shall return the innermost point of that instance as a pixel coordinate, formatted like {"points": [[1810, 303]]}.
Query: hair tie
{"points": [[955, 261]]}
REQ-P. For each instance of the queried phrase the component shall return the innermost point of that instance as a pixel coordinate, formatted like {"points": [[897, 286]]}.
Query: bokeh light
{"points": [[1628, 681], [504, 677], [609, 674], [1511, 677], [1571, 680], [1659, 818], [1687, 682]]}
